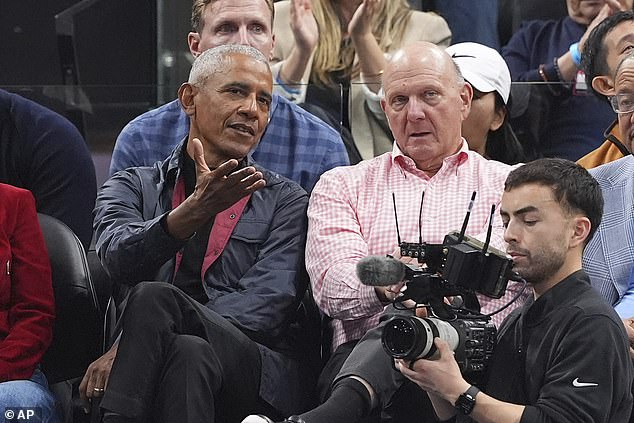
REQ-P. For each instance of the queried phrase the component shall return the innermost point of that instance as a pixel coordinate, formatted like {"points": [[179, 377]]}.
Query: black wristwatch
{"points": [[466, 401]]}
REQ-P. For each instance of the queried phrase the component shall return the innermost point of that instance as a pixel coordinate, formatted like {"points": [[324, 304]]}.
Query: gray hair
{"points": [[217, 59]]}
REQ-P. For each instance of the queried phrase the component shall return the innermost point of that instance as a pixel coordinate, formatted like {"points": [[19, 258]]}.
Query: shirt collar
{"points": [[536, 310], [405, 162]]}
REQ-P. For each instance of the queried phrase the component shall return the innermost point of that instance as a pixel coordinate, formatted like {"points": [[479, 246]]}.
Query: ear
{"points": [[603, 85], [581, 230], [186, 94], [466, 95], [272, 47], [498, 118], [193, 40]]}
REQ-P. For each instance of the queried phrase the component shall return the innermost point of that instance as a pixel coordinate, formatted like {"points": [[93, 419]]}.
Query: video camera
{"points": [[458, 268]]}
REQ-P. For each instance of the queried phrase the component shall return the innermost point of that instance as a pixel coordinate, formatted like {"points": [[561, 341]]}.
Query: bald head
{"points": [[421, 54], [425, 101]]}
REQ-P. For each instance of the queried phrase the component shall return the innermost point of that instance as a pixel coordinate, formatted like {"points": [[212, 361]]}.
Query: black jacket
{"points": [[565, 356], [256, 282]]}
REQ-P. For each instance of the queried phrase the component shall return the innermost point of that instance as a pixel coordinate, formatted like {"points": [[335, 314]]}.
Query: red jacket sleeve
{"points": [[26, 292]]}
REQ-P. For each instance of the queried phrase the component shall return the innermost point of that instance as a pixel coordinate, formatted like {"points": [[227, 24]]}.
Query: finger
{"points": [[226, 169], [616, 5], [371, 6], [443, 347], [255, 186], [82, 389], [99, 388], [197, 152], [239, 175]]}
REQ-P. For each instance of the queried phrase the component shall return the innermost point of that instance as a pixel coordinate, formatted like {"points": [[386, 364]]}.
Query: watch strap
{"points": [[466, 401]]}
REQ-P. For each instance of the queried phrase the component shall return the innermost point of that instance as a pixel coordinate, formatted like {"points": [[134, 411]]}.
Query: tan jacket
{"points": [[612, 149], [369, 137]]}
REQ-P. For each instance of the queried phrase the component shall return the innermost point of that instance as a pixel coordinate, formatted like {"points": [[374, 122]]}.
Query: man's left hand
{"points": [[95, 381]]}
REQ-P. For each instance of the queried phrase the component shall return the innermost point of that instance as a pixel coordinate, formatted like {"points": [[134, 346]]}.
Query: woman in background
{"points": [[326, 50], [26, 307], [487, 129]]}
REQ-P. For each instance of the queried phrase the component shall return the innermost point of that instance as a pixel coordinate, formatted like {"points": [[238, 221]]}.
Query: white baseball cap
{"points": [[483, 68]]}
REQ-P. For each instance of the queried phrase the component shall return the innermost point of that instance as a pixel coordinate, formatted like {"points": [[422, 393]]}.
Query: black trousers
{"points": [[400, 400], [178, 361]]}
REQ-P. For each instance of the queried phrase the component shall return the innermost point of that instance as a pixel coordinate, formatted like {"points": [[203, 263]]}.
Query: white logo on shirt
{"points": [[578, 384]]}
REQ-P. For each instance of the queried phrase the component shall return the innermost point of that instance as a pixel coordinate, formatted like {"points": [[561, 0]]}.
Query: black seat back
{"points": [[76, 336]]}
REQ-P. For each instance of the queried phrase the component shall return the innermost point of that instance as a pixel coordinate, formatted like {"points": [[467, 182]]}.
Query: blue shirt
{"points": [[608, 259], [296, 144], [570, 123]]}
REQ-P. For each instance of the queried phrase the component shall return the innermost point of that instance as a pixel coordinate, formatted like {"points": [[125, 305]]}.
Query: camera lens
{"points": [[409, 337]]}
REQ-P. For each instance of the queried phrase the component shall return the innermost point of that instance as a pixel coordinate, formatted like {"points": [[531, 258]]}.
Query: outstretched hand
{"points": [[216, 190], [220, 188]]}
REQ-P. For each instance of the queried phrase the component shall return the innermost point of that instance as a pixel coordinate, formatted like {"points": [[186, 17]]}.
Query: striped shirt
{"points": [[351, 216]]}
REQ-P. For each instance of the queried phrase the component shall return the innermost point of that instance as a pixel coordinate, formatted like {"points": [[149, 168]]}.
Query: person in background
{"points": [[332, 54], [468, 23], [606, 45], [43, 152], [487, 128], [296, 144], [516, 12], [561, 119], [26, 298]]}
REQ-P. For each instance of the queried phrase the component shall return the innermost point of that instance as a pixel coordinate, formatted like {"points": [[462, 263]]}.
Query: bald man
{"points": [[351, 216]]}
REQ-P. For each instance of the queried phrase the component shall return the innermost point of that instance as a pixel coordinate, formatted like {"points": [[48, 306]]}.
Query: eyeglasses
{"points": [[622, 103]]}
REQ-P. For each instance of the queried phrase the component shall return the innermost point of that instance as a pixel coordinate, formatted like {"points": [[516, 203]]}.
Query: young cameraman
{"points": [[562, 356]]}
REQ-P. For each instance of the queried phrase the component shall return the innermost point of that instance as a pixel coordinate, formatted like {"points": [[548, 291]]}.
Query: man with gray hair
{"points": [[223, 241]]}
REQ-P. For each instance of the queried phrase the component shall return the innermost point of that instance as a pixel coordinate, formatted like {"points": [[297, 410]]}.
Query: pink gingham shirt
{"points": [[351, 216]]}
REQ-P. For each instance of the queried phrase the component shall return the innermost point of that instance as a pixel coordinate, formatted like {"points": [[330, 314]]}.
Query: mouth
{"points": [[420, 134], [243, 128], [516, 255]]}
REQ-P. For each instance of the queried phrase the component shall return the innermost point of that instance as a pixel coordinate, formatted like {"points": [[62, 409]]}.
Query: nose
{"points": [[243, 36], [249, 106], [415, 109], [510, 234]]}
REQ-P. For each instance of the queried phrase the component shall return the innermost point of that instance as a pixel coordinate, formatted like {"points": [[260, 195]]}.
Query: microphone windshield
{"points": [[381, 271]]}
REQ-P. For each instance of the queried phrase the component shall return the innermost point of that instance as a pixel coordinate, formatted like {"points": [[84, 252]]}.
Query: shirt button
{"points": [[232, 216]]}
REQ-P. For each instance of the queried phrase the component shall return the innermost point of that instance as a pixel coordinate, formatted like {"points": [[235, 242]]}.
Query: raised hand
{"points": [[304, 25], [361, 23], [216, 190]]}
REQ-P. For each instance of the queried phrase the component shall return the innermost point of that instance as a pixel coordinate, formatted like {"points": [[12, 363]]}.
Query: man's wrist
{"points": [[576, 54], [466, 401]]}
